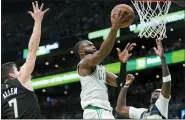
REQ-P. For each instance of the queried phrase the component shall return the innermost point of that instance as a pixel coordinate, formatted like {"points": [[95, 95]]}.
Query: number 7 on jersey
{"points": [[14, 102]]}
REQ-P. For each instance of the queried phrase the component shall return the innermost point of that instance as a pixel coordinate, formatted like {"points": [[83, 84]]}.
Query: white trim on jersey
{"points": [[162, 105]]}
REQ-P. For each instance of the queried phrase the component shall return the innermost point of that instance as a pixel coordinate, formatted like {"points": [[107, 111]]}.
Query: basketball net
{"points": [[152, 17]]}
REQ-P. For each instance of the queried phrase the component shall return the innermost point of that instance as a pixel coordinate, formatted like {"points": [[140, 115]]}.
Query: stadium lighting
{"points": [[46, 63], [43, 90], [171, 29], [143, 47], [56, 66], [71, 52], [63, 59], [65, 92], [157, 76]]}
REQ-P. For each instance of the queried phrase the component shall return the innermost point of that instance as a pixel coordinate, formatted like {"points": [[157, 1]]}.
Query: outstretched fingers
{"points": [[30, 12], [155, 49], [119, 51], [158, 42], [41, 7], [33, 5], [131, 47], [37, 6], [126, 48], [45, 10]]}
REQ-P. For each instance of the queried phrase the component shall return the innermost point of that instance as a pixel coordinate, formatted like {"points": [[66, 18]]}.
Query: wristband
{"points": [[167, 78]]}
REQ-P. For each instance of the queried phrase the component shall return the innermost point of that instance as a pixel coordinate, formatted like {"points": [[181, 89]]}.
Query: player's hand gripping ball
{"points": [[128, 19]]}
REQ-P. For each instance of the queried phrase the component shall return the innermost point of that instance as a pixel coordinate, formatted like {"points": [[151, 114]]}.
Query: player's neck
{"points": [[82, 57]]}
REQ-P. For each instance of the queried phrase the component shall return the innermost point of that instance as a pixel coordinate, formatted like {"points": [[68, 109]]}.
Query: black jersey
{"points": [[18, 102]]}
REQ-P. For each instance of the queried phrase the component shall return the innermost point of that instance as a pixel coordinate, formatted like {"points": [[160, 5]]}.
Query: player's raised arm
{"points": [[27, 68], [115, 80], [122, 107], [107, 45], [166, 86]]}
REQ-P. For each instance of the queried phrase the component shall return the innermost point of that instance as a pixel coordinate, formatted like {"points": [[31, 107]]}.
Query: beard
{"points": [[88, 52]]}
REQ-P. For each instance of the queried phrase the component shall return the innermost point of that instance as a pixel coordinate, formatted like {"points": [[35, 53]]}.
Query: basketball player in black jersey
{"points": [[159, 98], [18, 99]]}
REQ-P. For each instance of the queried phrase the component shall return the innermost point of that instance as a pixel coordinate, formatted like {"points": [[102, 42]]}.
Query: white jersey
{"points": [[94, 90], [141, 113]]}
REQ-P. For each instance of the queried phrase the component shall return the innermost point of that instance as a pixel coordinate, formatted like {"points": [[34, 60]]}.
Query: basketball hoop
{"points": [[152, 17]]}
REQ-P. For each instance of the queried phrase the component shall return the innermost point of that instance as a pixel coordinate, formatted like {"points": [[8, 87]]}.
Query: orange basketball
{"points": [[129, 13]]}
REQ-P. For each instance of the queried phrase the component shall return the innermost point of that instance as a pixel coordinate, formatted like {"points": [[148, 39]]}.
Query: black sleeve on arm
{"points": [[122, 74]]}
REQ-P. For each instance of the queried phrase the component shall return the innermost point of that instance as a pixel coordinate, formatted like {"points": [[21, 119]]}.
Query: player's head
{"points": [[9, 71], [155, 95], [83, 48]]}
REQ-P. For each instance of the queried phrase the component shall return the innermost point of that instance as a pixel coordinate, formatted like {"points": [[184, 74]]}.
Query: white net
{"points": [[152, 17]]}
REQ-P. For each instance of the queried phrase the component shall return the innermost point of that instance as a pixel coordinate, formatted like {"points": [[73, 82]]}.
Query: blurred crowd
{"points": [[62, 23], [141, 50]]}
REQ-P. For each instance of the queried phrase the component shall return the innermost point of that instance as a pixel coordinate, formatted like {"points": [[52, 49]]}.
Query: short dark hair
{"points": [[77, 48], [6, 68]]}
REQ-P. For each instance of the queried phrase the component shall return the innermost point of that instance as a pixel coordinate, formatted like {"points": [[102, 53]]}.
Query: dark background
{"points": [[69, 21]]}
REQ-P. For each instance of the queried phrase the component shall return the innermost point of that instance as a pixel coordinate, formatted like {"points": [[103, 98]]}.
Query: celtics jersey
{"points": [[18, 102], [94, 89]]}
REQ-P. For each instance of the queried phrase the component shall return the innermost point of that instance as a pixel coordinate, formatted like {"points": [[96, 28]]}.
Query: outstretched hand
{"points": [[129, 79], [37, 13], [120, 18], [124, 55], [159, 50]]}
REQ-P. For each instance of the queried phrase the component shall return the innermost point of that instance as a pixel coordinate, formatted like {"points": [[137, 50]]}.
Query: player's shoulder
{"points": [[85, 61], [87, 57]]}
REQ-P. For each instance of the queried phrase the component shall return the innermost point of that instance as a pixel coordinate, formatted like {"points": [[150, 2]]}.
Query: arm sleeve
{"points": [[122, 75], [136, 112], [162, 105]]}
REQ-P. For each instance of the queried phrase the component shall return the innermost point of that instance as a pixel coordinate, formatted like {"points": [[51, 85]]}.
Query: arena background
{"points": [[69, 21]]}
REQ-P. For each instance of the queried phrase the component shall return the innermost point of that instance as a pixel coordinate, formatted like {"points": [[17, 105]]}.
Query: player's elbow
{"points": [[117, 109], [121, 110]]}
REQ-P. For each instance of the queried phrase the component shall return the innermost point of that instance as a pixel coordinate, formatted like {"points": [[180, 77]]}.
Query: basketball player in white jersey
{"points": [[159, 98], [94, 77]]}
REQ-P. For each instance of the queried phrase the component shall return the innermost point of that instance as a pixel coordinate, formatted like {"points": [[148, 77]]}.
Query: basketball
{"points": [[129, 13]]}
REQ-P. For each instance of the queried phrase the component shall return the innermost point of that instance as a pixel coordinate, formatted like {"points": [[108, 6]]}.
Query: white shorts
{"points": [[97, 114]]}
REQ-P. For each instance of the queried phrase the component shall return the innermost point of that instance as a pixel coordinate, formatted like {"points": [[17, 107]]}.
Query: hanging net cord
{"points": [[153, 20]]}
